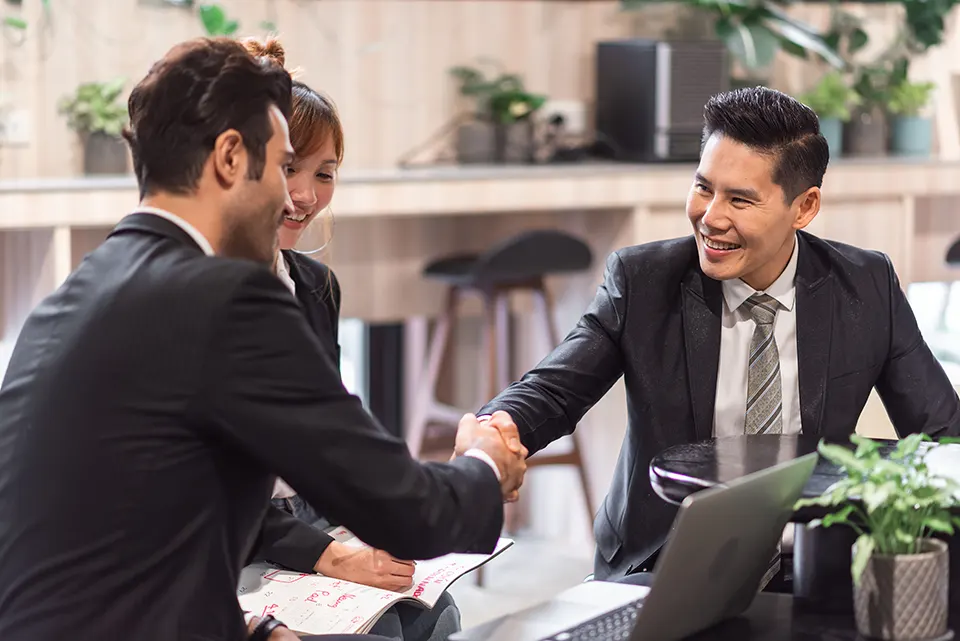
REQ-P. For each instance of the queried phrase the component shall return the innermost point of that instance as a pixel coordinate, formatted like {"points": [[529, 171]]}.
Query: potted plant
{"points": [[896, 505], [501, 129], [832, 98], [754, 33], [910, 133], [97, 114]]}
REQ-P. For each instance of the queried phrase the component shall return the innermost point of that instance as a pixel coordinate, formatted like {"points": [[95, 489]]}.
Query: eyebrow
{"points": [[745, 193]]}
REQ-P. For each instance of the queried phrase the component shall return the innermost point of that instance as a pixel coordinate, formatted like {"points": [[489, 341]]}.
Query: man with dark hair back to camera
{"points": [[749, 326], [151, 401]]}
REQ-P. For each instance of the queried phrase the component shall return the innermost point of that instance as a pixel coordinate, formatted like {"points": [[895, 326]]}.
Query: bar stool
{"points": [[519, 263]]}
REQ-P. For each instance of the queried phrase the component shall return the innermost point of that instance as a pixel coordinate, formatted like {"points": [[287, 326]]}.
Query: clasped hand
{"points": [[499, 437]]}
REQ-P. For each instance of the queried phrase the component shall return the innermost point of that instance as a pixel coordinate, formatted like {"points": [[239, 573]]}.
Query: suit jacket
{"points": [[148, 405], [656, 321], [285, 539]]}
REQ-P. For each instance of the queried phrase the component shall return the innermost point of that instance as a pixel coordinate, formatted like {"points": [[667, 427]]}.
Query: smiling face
{"points": [[255, 207], [743, 224], [310, 181]]}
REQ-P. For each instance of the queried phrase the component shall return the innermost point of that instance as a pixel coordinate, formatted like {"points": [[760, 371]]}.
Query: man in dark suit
{"points": [[750, 326], [151, 401]]}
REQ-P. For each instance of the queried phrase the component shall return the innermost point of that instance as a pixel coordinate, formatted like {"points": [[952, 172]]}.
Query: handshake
{"points": [[498, 437]]}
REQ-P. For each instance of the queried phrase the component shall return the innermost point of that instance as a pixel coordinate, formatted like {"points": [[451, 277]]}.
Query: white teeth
{"points": [[296, 220], [715, 245]]}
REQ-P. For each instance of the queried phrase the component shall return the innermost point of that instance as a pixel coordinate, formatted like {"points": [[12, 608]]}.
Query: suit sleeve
{"points": [[276, 395], [915, 391], [549, 401], [290, 542]]}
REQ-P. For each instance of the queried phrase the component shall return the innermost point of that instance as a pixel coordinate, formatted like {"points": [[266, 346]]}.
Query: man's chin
{"points": [[718, 272]]}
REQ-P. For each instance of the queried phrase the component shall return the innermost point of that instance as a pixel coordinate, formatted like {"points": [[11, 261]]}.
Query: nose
{"points": [[304, 198], [714, 219]]}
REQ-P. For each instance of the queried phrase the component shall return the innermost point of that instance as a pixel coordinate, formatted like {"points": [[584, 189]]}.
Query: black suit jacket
{"points": [[147, 407], [285, 539], [656, 321]]}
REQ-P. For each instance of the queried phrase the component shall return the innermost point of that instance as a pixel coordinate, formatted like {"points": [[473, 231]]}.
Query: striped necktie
{"points": [[764, 390]]}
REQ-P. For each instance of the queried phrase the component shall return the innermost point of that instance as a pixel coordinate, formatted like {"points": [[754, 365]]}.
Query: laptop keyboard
{"points": [[611, 626]]}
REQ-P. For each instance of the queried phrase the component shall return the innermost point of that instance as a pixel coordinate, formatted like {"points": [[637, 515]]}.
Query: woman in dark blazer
{"points": [[293, 533]]}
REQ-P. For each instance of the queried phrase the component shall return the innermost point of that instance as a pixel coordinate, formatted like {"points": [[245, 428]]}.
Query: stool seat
{"points": [[953, 254], [525, 257]]}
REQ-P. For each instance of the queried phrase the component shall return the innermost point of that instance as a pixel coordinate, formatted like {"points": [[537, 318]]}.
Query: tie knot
{"points": [[763, 308]]}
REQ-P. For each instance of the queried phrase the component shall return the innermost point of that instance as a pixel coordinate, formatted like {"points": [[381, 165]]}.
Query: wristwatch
{"points": [[265, 628]]}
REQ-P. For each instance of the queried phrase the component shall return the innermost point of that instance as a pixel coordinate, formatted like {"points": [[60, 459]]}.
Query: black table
{"points": [[775, 617], [821, 556]]}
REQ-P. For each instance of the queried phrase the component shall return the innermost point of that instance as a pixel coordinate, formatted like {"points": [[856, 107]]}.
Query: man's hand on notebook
{"points": [[498, 438], [366, 566]]}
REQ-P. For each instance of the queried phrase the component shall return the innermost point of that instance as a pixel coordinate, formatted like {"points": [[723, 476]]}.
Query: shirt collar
{"points": [[192, 231], [283, 273], [783, 290]]}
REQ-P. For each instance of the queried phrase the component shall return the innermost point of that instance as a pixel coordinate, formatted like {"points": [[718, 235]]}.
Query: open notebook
{"points": [[316, 604]]}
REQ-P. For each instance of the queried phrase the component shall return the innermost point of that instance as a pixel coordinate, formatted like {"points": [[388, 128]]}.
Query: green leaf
{"points": [[949, 440], [938, 524], [842, 457], [838, 517], [874, 496], [801, 34], [863, 550], [754, 45], [858, 40], [266, 25], [15, 23], [793, 49], [864, 445], [230, 27], [213, 19]]}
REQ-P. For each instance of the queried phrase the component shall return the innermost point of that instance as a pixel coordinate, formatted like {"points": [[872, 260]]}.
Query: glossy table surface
{"points": [[682, 470]]}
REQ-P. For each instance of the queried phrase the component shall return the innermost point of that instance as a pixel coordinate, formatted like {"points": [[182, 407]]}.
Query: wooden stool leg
{"points": [[426, 386], [545, 311]]}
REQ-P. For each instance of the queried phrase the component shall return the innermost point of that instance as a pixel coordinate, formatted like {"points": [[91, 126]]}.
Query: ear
{"points": [[229, 158], [806, 207]]}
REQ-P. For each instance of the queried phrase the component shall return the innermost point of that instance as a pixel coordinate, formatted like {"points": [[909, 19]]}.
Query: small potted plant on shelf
{"points": [[896, 505], [97, 114], [501, 129], [832, 98], [910, 133]]}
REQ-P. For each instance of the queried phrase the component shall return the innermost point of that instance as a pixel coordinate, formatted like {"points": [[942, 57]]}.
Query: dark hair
{"points": [[198, 90], [314, 119], [774, 124]]}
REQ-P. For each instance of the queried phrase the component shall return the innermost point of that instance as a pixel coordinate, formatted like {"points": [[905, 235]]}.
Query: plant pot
{"points": [[905, 596], [866, 134], [832, 130], [911, 136], [105, 154], [515, 142], [476, 143]]}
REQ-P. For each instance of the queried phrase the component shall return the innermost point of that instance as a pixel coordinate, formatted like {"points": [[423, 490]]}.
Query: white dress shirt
{"points": [[736, 332], [192, 231]]}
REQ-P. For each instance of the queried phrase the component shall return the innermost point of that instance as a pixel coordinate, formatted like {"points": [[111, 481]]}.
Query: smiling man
{"points": [[749, 326]]}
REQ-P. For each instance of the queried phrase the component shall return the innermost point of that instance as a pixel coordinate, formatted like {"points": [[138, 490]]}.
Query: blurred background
{"points": [[518, 140]]}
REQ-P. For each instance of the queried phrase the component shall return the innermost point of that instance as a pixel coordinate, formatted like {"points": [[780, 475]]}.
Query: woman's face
{"points": [[310, 181]]}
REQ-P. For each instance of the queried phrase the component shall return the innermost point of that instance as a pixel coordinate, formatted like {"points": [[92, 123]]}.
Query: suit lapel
{"points": [[702, 306], [814, 331], [306, 290]]}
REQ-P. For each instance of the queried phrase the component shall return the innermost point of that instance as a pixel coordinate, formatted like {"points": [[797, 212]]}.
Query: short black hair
{"points": [[198, 90], [775, 124]]}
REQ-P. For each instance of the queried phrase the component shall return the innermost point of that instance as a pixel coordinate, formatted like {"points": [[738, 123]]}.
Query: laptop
{"points": [[710, 570]]}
